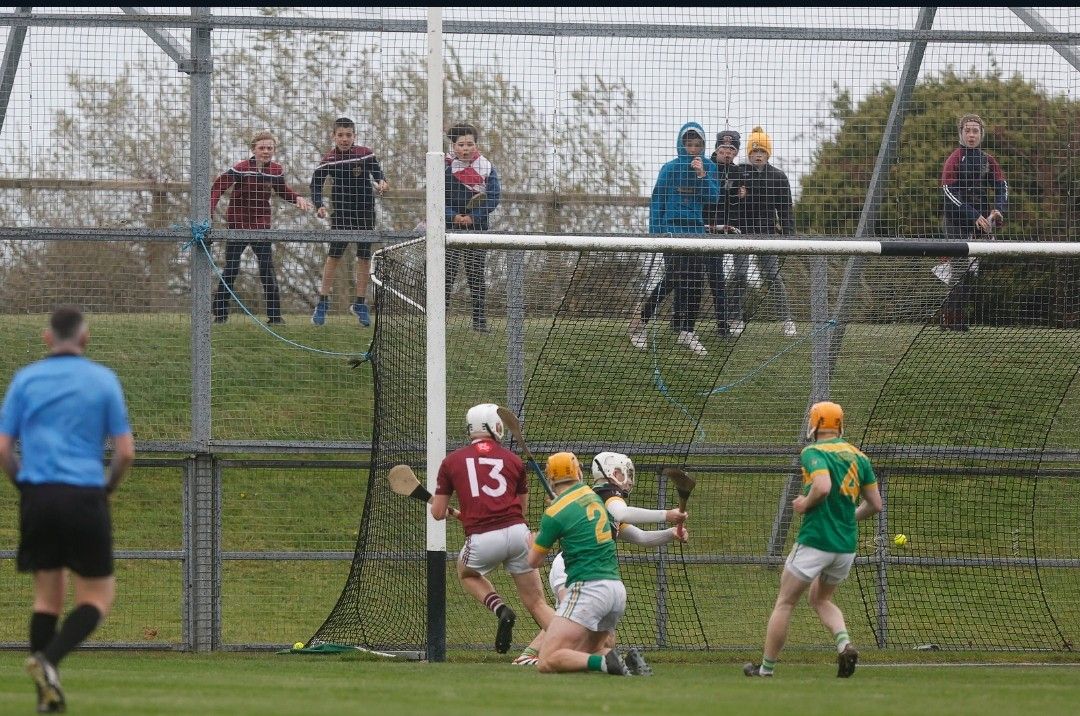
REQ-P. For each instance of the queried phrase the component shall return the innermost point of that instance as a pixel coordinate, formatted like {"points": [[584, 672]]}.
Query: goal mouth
{"points": [[952, 388]]}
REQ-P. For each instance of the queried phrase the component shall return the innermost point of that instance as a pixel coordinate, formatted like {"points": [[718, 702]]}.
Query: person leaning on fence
{"points": [[472, 193], [253, 181], [61, 410], [767, 209], [967, 178], [722, 218], [683, 188], [357, 176]]}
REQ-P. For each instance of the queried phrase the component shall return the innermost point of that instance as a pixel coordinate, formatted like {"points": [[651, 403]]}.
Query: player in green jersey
{"points": [[613, 479], [835, 475], [595, 597]]}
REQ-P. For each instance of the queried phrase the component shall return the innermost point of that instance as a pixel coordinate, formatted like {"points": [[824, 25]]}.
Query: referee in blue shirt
{"points": [[61, 409]]}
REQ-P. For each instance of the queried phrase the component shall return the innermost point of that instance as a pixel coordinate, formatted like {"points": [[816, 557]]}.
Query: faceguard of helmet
{"points": [[613, 468]]}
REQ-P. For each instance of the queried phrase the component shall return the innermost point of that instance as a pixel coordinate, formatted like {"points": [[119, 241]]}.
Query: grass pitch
{"points": [[264, 684]]}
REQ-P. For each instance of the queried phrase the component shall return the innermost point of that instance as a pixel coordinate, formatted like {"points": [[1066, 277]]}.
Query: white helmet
{"points": [[613, 468], [484, 420]]}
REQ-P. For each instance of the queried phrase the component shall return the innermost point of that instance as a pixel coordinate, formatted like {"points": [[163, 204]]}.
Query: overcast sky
{"points": [[781, 85]]}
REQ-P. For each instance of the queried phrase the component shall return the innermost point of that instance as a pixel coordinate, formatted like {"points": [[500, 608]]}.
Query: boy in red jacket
{"points": [[253, 181]]}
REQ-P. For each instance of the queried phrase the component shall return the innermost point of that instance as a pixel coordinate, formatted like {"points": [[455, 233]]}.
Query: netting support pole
{"points": [[205, 612], [163, 39], [820, 377], [10, 65], [880, 176], [515, 332], [436, 336], [881, 541], [661, 572]]}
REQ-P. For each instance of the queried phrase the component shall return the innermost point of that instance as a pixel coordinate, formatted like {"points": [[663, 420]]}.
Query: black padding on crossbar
{"points": [[924, 248]]}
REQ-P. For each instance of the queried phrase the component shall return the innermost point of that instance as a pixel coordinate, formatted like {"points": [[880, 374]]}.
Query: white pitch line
{"points": [[971, 663]]}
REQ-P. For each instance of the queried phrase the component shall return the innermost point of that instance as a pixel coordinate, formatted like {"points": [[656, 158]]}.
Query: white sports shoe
{"points": [[690, 340], [735, 328], [638, 337], [789, 329]]}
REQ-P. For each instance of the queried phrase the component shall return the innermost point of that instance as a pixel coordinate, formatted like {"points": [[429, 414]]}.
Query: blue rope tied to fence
{"points": [[662, 388], [199, 232], [757, 371]]}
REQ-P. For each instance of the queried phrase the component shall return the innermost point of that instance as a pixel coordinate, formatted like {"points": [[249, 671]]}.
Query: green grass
{"points": [[266, 390], [261, 684]]}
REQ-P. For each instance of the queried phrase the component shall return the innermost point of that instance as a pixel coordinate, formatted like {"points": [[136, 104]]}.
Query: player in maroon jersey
{"points": [[493, 496]]}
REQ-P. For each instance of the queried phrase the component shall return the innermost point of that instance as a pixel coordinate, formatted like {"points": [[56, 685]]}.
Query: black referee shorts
{"points": [[65, 526]]}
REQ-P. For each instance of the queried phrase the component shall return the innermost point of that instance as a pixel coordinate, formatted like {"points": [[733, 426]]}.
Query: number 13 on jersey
{"points": [[495, 483]]}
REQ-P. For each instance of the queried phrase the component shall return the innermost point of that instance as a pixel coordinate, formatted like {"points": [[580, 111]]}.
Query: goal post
{"points": [[435, 415]]}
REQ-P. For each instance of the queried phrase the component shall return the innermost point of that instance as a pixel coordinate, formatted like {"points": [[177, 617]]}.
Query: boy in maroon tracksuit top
{"points": [[967, 177], [253, 182]]}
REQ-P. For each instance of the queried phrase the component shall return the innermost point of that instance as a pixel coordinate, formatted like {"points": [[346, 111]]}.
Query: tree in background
{"points": [[134, 126], [1032, 133]]}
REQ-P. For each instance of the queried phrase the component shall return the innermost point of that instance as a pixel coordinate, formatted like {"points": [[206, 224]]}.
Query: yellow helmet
{"points": [[827, 415], [562, 467]]}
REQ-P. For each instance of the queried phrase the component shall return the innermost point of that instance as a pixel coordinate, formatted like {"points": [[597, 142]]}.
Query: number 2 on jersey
{"points": [[594, 511], [494, 475]]}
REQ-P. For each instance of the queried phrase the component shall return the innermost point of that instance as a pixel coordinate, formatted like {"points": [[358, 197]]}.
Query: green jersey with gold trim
{"points": [[579, 519], [830, 525]]}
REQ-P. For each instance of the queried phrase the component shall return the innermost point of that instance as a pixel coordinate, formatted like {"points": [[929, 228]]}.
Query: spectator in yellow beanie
{"points": [[758, 140], [767, 209]]}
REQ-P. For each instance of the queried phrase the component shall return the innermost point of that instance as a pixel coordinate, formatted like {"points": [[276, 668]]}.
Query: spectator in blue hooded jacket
{"points": [[684, 186]]}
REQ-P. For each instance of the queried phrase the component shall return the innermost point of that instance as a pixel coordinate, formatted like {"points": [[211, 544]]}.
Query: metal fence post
{"points": [[204, 543]]}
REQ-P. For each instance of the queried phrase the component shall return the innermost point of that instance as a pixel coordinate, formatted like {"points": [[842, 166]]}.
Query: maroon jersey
{"points": [[487, 479], [249, 206]]}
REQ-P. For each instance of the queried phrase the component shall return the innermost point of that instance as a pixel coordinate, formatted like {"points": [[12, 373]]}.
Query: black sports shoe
{"points": [[47, 680], [615, 665], [506, 630], [636, 664], [755, 670], [845, 661]]}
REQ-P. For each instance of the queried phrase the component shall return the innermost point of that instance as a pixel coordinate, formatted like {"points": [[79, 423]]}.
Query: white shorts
{"points": [[557, 575], [807, 563], [597, 605], [508, 546]]}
